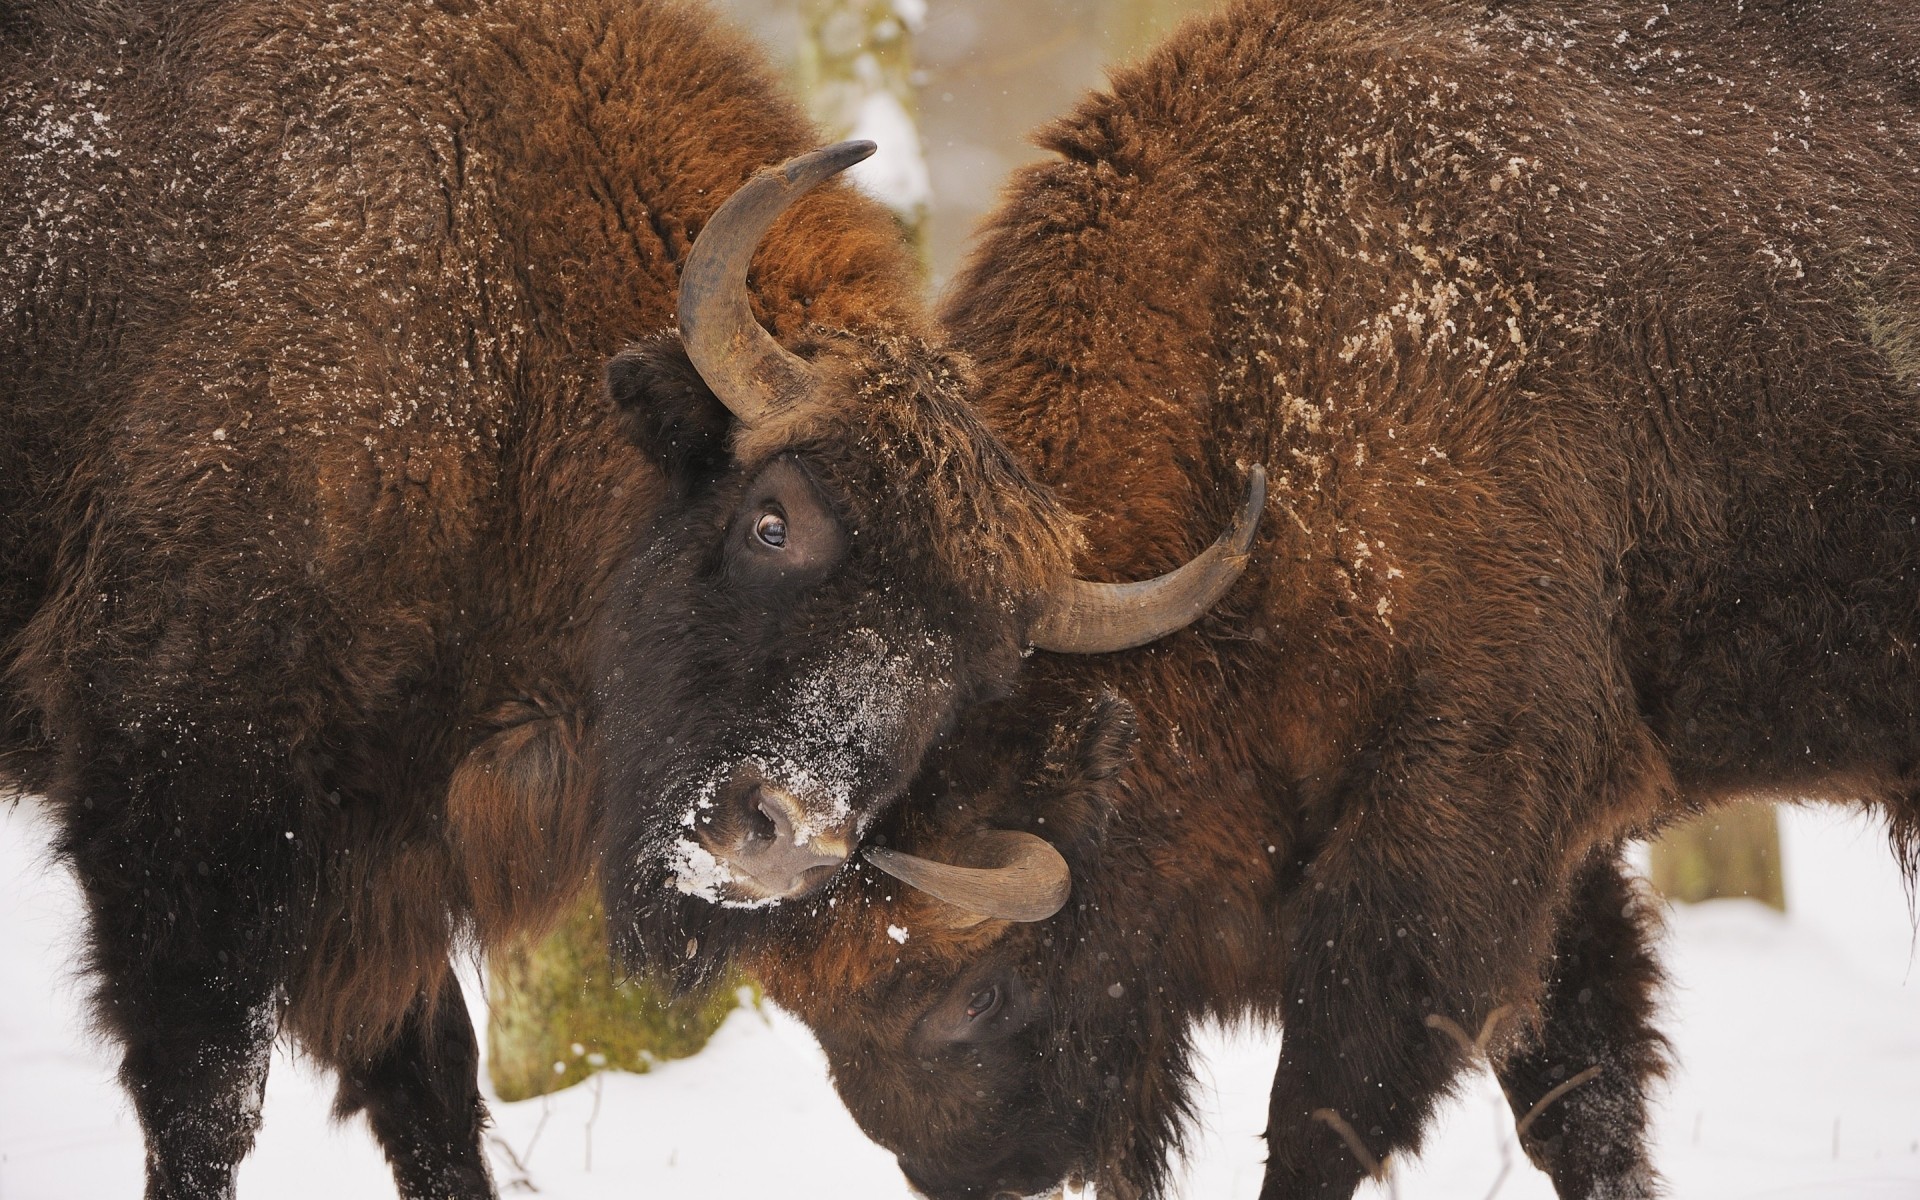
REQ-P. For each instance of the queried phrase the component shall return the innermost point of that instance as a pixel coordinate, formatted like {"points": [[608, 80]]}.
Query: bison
{"points": [[1580, 339], [329, 536]]}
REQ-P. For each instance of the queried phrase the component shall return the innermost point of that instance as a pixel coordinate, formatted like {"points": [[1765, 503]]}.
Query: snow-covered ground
{"points": [[1799, 1079]]}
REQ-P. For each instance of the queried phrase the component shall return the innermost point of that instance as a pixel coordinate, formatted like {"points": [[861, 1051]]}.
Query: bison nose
{"points": [[774, 851]]}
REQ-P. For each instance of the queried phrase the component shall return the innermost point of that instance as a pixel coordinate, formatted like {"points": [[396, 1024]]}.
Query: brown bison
{"points": [[322, 547], [1583, 340]]}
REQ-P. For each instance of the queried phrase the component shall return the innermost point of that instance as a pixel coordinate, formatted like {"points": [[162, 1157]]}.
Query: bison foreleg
{"points": [[1401, 936], [1597, 1014], [197, 1088], [421, 1094], [184, 989]]}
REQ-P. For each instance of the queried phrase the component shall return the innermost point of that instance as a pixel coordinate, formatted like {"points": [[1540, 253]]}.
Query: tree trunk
{"points": [[1732, 851], [558, 1013], [856, 71]]}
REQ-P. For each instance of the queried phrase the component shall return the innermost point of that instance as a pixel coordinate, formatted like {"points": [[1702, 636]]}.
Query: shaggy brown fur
{"points": [[312, 505], [1575, 338]]}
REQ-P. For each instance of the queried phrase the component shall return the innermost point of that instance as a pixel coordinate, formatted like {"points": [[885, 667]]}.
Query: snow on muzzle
{"points": [[764, 846], [771, 852], [777, 825]]}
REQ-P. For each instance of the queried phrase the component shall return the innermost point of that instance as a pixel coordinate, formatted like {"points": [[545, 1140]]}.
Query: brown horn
{"points": [[1018, 877], [747, 369], [1095, 618]]}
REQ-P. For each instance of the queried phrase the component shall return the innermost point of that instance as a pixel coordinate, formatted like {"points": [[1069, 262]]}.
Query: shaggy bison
{"points": [[1582, 341], [324, 553]]}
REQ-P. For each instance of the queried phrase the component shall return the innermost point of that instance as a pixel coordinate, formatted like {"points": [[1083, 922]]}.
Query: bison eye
{"points": [[771, 529], [978, 1011], [783, 534], [983, 1003]]}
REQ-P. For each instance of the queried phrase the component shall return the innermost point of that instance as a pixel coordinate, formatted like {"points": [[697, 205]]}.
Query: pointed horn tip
{"points": [[857, 150], [744, 365], [815, 166], [1034, 880], [1099, 618]]}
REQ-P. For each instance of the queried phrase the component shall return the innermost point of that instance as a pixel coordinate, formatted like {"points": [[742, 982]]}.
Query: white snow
{"points": [[896, 175], [696, 872], [911, 13], [1799, 1041]]}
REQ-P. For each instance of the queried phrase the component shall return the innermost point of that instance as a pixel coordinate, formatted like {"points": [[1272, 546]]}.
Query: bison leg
{"points": [[1401, 938], [1597, 1014], [197, 1090], [183, 989], [197, 1076], [421, 1094]]}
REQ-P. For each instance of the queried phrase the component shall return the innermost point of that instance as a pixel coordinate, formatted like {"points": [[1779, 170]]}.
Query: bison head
{"points": [[1000, 1058], [846, 559]]}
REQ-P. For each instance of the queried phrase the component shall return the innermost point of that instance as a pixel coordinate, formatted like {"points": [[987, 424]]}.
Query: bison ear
{"points": [[1074, 795], [1100, 744], [669, 411]]}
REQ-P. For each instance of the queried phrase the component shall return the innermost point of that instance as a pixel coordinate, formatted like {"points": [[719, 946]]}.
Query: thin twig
{"points": [[546, 1110], [520, 1161], [599, 1080], [1506, 1168], [1451, 1028], [1479, 1048], [522, 1181], [1506, 1150], [1470, 1046], [1374, 1167], [1568, 1085], [1338, 1124], [1494, 1018]]}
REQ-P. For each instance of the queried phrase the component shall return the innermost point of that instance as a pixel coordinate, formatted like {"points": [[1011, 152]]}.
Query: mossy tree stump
{"points": [[558, 1012], [1730, 852]]}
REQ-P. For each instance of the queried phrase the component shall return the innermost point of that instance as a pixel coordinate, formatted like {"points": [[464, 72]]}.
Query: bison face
{"points": [[956, 1078], [991, 1057], [844, 560], [819, 598]]}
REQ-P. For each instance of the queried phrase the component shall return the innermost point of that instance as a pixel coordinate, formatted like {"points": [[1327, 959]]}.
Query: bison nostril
{"points": [[767, 843], [761, 826]]}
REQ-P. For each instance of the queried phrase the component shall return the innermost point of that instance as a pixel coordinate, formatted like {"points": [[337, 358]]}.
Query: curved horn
{"points": [[1095, 618], [1020, 877], [749, 371]]}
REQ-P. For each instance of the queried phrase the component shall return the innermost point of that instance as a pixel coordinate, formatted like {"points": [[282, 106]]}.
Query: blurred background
{"points": [[1790, 941], [972, 77]]}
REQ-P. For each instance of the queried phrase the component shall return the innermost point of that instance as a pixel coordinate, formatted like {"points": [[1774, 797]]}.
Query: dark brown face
{"points": [[958, 1069], [784, 649], [988, 1057]]}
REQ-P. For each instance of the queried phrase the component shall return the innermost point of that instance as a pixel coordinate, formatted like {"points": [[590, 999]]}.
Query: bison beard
{"points": [[1580, 340]]}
